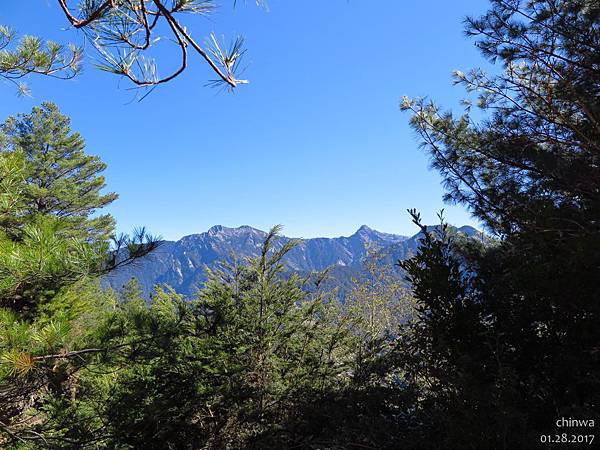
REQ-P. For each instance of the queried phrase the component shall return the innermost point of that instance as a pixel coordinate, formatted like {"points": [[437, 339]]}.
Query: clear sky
{"points": [[315, 142]]}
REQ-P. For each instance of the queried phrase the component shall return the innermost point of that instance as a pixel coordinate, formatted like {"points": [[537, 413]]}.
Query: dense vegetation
{"points": [[495, 341]]}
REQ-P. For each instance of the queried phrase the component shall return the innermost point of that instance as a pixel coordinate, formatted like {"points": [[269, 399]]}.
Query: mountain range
{"points": [[182, 264]]}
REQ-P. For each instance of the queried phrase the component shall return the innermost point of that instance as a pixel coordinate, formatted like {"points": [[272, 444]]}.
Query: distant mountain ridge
{"points": [[182, 264]]}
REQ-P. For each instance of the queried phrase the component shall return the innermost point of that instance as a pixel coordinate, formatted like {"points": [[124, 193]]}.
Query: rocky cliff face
{"points": [[182, 264]]}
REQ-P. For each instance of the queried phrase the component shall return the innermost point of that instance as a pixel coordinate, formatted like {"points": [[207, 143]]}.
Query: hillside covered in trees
{"points": [[450, 341]]}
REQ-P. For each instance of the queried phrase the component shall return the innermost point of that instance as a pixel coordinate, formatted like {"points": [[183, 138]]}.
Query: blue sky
{"points": [[315, 142]]}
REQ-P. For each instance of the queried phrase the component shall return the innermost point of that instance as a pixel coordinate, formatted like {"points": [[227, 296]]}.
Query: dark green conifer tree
{"points": [[61, 179], [51, 255], [507, 341], [231, 369]]}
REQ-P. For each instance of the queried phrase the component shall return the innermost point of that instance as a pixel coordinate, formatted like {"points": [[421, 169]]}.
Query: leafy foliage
{"points": [[257, 360], [377, 307], [497, 340], [51, 253], [505, 344], [226, 369]]}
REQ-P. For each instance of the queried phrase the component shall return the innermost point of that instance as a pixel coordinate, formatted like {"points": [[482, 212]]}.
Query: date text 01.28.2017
{"points": [[567, 438]]}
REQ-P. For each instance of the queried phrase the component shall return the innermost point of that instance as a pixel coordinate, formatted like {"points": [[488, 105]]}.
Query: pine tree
{"points": [[124, 35], [40, 314], [532, 164], [61, 180], [29, 55], [507, 338], [51, 255], [230, 369]]}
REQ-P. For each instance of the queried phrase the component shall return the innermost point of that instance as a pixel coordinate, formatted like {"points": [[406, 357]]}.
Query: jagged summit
{"points": [[469, 231], [182, 264], [368, 233], [215, 229], [220, 229]]}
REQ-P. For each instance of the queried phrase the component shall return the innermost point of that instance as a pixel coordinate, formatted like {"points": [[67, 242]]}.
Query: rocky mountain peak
{"points": [[182, 264], [216, 229]]}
